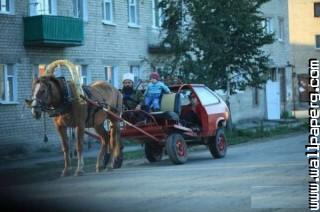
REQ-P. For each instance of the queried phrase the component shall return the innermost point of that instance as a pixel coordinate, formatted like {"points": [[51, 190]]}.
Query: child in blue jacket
{"points": [[154, 91]]}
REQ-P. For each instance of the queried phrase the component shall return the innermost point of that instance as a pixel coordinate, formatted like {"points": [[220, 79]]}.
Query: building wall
{"points": [[104, 45], [242, 106], [303, 28]]}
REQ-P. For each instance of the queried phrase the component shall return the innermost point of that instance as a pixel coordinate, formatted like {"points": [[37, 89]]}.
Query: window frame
{"points": [[112, 75], [136, 15], [10, 7], [316, 5], [104, 20], [267, 24], [317, 41], [6, 99], [84, 11], [156, 14], [33, 7], [137, 73], [86, 76], [281, 29]]}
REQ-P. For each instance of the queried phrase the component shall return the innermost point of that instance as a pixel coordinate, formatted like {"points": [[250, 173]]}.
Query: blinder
{"points": [[65, 103]]}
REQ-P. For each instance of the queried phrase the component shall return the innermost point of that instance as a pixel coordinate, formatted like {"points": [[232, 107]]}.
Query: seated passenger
{"points": [[191, 118], [132, 99], [154, 91]]}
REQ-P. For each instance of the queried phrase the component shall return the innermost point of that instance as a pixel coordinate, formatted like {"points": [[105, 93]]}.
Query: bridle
{"points": [[41, 103]]}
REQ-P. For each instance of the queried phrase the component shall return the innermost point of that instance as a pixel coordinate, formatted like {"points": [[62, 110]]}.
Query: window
{"points": [[206, 96], [84, 75], [80, 9], [41, 70], [317, 9], [135, 70], [112, 75], [255, 96], [8, 83], [317, 41], [108, 11], [7, 6], [157, 13], [133, 12], [43, 7], [273, 75], [281, 29], [267, 25]]}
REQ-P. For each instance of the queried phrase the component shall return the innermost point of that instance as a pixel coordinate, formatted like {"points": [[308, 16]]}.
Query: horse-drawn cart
{"points": [[190, 115]]}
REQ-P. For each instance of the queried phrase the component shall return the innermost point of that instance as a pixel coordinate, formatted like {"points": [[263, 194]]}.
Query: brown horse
{"points": [[49, 95]]}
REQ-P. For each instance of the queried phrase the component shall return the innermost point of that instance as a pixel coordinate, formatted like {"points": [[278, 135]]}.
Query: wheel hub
{"points": [[181, 149], [221, 143]]}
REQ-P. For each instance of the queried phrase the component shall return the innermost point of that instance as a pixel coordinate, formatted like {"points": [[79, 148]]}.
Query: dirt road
{"points": [[261, 176]]}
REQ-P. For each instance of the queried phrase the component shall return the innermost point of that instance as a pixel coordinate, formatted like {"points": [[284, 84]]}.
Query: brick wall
{"points": [[104, 45]]}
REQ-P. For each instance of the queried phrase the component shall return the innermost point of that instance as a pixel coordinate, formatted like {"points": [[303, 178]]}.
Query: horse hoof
{"points": [[65, 172], [99, 169], [79, 173]]}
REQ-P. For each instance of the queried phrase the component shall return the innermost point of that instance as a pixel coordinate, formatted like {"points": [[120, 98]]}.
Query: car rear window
{"points": [[206, 96]]}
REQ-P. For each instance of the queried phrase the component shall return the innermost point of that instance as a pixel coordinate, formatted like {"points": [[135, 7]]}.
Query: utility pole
{"points": [[229, 122]]}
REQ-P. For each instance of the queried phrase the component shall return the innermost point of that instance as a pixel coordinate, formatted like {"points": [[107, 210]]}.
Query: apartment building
{"points": [[106, 38], [304, 36], [275, 98]]}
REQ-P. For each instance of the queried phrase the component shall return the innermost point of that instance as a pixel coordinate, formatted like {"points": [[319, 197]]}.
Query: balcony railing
{"points": [[47, 30]]}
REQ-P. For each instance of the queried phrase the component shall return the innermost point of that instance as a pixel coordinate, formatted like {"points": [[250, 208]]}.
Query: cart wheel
{"points": [[218, 144], [117, 162], [153, 153], [177, 148]]}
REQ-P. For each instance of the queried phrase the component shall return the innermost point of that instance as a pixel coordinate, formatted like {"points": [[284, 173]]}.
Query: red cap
{"points": [[154, 75]]}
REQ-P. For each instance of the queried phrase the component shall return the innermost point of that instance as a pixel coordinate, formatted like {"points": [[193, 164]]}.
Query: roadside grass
{"points": [[238, 136]]}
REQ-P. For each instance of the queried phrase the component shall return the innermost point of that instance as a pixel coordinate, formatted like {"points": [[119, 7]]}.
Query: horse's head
{"points": [[43, 96]]}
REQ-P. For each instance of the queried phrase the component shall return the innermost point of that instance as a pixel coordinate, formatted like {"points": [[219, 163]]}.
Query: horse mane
{"points": [[46, 78], [52, 78]]}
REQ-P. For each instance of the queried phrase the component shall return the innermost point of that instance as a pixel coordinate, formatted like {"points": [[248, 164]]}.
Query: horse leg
{"points": [[103, 148], [114, 143], [80, 135], [65, 149]]}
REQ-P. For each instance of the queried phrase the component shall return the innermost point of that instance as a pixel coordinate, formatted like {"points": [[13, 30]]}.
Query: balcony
{"points": [[155, 36], [47, 30]]}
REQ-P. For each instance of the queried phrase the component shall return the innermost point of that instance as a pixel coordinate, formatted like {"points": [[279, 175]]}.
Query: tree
{"points": [[218, 41]]}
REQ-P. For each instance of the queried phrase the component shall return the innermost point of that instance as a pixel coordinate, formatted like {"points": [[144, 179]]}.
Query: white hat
{"points": [[128, 76]]}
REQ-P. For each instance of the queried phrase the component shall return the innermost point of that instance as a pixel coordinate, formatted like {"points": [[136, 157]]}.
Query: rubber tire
{"points": [[213, 144], [172, 151], [117, 163], [153, 153]]}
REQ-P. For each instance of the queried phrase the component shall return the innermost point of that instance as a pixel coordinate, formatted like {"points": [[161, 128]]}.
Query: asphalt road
{"points": [[268, 175]]}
